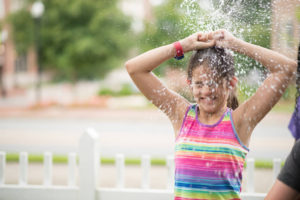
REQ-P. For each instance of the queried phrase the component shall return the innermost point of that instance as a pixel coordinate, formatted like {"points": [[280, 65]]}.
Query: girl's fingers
{"points": [[203, 37], [210, 35], [206, 37], [217, 35], [200, 37], [204, 45], [211, 43]]}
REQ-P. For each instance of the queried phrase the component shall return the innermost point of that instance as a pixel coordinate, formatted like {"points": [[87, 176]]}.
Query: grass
{"points": [[263, 164], [58, 159], [284, 106], [35, 158]]}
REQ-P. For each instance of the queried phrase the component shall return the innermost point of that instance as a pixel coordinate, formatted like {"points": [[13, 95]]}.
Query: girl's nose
{"points": [[206, 90]]}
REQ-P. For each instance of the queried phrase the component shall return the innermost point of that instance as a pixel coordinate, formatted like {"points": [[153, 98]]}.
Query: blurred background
{"points": [[78, 48], [62, 70]]}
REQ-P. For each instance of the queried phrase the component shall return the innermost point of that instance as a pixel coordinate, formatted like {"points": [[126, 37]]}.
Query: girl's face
{"points": [[209, 91]]}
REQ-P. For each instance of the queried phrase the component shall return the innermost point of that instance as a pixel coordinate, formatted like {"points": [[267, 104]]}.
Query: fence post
{"points": [[171, 171], [72, 169], [23, 168], [88, 165], [48, 168], [2, 168], [250, 175], [146, 165], [120, 164], [276, 168]]}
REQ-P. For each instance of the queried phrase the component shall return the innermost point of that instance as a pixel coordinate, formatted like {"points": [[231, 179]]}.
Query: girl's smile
{"points": [[208, 100]]}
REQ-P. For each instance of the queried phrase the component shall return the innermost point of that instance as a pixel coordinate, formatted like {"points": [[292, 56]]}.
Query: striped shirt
{"points": [[209, 159]]}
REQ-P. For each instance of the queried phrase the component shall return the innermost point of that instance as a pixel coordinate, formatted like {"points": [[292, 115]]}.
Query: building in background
{"points": [[139, 10], [285, 35], [17, 70]]}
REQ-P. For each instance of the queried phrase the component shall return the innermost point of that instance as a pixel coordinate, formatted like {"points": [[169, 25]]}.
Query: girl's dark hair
{"points": [[221, 62]]}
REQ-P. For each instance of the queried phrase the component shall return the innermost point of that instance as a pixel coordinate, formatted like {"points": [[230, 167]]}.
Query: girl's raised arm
{"points": [[140, 70], [281, 70]]}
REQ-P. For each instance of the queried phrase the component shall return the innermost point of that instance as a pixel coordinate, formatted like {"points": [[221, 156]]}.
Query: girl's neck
{"points": [[210, 118]]}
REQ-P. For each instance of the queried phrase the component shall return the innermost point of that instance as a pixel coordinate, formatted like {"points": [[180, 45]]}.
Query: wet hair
{"points": [[221, 62]]}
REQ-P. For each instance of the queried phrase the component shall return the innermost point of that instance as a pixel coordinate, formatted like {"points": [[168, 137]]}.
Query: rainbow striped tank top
{"points": [[209, 159]]}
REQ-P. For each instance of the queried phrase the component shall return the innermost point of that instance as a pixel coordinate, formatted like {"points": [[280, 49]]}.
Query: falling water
{"points": [[246, 20], [237, 16]]}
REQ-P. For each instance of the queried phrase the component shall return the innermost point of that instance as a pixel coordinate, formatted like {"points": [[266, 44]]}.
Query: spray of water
{"points": [[237, 16], [247, 20]]}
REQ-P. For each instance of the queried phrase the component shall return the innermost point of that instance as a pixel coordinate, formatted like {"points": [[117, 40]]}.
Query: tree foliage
{"points": [[166, 29], [80, 39]]}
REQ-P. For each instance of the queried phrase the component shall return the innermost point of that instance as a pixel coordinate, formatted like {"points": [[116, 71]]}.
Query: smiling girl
{"points": [[212, 136]]}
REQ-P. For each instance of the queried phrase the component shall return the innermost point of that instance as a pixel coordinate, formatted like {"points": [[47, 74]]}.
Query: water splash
{"points": [[249, 21], [202, 15], [237, 16]]}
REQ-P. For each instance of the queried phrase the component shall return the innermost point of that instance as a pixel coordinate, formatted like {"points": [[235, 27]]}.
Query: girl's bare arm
{"points": [[140, 70], [281, 69]]}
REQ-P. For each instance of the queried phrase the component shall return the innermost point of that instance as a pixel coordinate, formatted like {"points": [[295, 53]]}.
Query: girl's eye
{"points": [[198, 85], [210, 84]]}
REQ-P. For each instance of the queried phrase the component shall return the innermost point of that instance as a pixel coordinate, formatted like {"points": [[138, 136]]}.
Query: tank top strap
{"points": [[227, 115], [192, 111]]}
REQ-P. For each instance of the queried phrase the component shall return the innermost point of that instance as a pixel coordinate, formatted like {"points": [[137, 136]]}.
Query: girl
{"points": [[211, 139]]}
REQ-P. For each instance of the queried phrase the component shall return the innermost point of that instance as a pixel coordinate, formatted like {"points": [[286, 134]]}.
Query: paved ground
{"points": [[59, 129]]}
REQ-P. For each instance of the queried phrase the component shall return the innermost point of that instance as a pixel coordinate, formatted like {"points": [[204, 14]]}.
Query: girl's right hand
{"points": [[196, 41], [223, 38]]}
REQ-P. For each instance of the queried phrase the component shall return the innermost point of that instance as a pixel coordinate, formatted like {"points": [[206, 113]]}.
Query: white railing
{"points": [[89, 168]]}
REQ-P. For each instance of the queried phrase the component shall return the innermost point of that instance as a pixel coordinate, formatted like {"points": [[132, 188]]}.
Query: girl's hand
{"points": [[222, 37], [196, 41]]}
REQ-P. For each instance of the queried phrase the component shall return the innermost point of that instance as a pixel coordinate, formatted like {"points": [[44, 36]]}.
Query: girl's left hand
{"points": [[223, 38], [196, 41]]}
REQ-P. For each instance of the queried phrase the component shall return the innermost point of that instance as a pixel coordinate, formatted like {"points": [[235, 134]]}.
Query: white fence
{"points": [[88, 172]]}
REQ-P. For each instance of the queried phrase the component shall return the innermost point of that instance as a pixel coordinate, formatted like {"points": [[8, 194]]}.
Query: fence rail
{"points": [[89, 168]]}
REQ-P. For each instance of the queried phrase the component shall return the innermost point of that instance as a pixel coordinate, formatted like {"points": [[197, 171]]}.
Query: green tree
{"points": [[80, 39], [166, 28]]}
